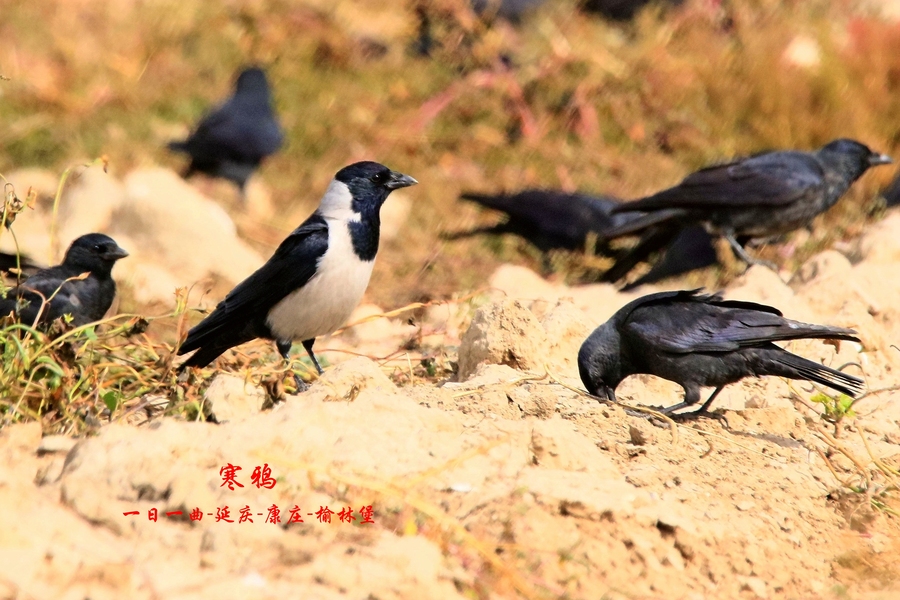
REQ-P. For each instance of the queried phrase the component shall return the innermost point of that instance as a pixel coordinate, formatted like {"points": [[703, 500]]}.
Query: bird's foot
{"points": [[701, 413], [301, 385]]}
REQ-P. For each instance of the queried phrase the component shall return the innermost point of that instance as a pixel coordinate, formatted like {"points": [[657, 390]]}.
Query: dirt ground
{"points": [[500, 482]]}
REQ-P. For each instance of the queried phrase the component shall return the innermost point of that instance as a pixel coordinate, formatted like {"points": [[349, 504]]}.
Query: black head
{"points": [[856, 156], [370, 183], [600, 361], [252, 80], [94, 252]]}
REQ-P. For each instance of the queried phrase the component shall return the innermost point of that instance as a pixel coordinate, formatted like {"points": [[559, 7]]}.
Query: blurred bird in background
{"points": [[232, 140]]}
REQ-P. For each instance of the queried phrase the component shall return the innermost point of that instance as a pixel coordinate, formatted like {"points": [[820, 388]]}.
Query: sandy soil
{"points": [[499, 482]]}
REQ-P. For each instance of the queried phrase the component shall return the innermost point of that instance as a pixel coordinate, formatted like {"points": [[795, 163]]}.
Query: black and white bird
{"points": [[232, 140], [56, 291], [316, 277], [699, 341]]}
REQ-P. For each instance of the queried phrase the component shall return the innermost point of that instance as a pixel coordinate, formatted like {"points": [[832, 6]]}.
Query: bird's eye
{"points": [[98, 248], [380, 177]]}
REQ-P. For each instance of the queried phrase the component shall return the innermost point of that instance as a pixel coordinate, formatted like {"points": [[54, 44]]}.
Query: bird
{"points": [[315, 278], [620, 10], [891, 193], [763, 195], [232, 140], [56, 291], [552, 219], [22, 262], [680, 250], [698, 340]]}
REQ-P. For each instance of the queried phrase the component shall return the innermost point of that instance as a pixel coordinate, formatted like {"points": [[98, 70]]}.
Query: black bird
{"points": [[891, 193], [11, 261], [763, 195], [553, 219], [702, 341], [620, 10], [316, 277], [680, 251], [86, 300], [233, 139]]}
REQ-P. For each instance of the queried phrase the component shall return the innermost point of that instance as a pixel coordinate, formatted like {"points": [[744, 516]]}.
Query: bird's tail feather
{"points": [[636, 226], [836, 380]]}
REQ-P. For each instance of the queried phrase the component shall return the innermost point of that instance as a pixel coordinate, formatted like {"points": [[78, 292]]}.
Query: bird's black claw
{"points": [[302, 386]]}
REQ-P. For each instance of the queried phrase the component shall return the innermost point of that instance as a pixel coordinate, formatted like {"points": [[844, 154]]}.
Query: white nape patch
{"points": [[327, 300], [337, 203]]}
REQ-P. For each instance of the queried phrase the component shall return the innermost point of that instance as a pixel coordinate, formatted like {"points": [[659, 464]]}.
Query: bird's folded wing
{"points": [[233, 127], [716, 330], [291, 267], [760, 181]]}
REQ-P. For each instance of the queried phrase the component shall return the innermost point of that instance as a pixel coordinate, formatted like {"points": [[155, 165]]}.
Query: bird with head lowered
{"points": [[699, 341], [61, 290], [316, 277]]}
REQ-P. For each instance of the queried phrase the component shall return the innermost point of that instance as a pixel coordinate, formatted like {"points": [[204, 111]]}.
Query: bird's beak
{"points": [[115, 254], [399, 180], [879, 159]]}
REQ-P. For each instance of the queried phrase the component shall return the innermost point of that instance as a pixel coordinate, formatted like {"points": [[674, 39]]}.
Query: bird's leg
{"points": [[742, 254], [308, 344], [703, 411], [284, 349]]}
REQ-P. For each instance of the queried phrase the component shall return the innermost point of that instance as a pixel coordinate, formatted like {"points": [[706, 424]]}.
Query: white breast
{"points": [[326, 301]]}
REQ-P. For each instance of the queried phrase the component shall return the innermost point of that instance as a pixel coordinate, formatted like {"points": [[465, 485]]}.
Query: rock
{"points": [[513, 279], [555, 444], [582, 495], [534, 400], [87, 205], [176, 227], [346, 380], [881, 241], [258, 199], [566, 327], [760, 284], [148, 282], [231, 398], [52, 444], [824, 266], [502, 333]]}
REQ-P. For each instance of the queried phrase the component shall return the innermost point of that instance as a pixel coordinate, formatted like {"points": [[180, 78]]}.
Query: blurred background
{"points": [[599, 97]]}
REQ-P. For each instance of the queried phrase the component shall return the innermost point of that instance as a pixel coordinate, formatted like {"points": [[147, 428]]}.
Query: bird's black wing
{"points": [[774, 179], [243, 311], [555, 214], [710, 324], [46, 285]]}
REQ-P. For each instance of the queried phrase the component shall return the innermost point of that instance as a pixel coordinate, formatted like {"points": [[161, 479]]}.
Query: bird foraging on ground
{"points": [[316, 277], [56, 291], [763, 195], [699, 341], [232, 140]]}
